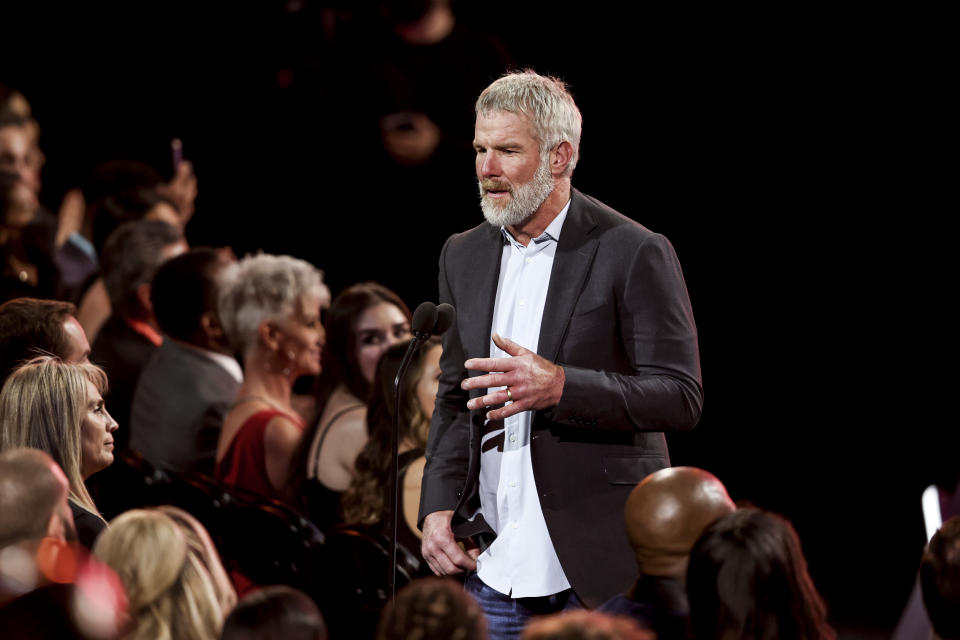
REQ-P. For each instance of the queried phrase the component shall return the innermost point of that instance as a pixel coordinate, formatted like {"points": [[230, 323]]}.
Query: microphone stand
{"points": [[419, 338], [423, 321]]}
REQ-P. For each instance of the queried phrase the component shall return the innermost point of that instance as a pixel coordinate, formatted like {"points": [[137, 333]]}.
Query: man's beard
{"points": [[525, 199]]}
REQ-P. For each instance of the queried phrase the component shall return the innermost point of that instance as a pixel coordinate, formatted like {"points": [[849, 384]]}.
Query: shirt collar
{"points": [[552, 232], [228, 363]]}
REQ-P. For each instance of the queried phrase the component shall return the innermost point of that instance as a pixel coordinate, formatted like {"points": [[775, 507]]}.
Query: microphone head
{"points": [[424, 318], [445, 317]]}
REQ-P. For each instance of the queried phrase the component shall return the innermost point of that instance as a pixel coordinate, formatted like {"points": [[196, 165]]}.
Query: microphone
{"points": [[428, 320], [424, 320], [445, 317]]}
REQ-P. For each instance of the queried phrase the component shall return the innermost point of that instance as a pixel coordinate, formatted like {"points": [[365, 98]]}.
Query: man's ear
{"points": [[212, 329], [143, 296], [560, 158]]}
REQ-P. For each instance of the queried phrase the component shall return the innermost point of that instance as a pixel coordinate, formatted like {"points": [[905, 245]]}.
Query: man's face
{"points": [[16, 156], [78, 348], [513, 178]]}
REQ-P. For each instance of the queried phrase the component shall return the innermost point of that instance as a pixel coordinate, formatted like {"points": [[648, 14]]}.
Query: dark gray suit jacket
{"points": [[178, 409], [618, 319]]}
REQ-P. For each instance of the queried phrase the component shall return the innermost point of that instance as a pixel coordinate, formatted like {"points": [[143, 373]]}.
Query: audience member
{"points": [[115, 192], [50, 242], [112, 212], [277, 612], [172, 595], [30, 327], [189, 383], [203, 549], [586, 625], [363, 322], [748, 579], [366, 501], [18, 148], [940, 580], [27, 267], [432, 609], [33, 501], [48, 587], [58, 408], [665, 514], [270, 309], [131, 334]]}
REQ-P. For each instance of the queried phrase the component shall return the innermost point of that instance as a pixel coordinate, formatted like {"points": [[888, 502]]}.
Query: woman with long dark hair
{"points": [[363, 321], [748, 578], [366, 501]]}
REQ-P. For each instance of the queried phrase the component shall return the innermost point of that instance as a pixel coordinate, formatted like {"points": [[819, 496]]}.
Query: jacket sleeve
{"points": [[662, 390], [448, 445]]}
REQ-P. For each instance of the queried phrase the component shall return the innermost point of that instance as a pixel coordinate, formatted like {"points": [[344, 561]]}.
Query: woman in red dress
{"points": [[270, 310]]}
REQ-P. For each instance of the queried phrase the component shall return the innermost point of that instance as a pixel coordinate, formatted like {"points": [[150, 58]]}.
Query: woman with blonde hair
{"points": [[58, 408], [176, 586]]}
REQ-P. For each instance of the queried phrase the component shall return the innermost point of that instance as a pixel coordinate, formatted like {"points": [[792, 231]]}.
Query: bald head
{"points": [[667, 512], [33, 497]]}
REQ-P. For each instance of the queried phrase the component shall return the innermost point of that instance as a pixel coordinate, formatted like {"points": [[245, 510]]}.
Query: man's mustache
{"points": [[495, 185]]}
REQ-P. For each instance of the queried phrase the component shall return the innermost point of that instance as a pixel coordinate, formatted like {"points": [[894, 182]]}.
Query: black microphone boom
{"points": [[429, 319]]}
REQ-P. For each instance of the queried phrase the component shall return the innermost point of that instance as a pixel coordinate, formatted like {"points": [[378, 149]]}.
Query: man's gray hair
{"points": [[545, 101], [264, 287], [131, 256]]}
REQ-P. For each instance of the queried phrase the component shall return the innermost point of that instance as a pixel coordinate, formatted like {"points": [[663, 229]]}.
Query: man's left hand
{"points": [[533, 382]]}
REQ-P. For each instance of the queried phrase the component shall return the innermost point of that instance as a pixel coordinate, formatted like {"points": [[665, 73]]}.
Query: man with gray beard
{"points": [[573, 350]]}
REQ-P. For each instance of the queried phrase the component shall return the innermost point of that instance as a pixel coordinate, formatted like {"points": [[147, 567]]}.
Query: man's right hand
{"points": [[440, 548]]}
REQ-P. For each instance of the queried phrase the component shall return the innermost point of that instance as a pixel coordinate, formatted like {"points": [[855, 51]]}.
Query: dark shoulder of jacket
{"points": [[625, 230]]}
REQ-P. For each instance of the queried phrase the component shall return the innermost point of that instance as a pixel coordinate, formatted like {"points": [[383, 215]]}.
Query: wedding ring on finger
{"points": [[509, 395]]}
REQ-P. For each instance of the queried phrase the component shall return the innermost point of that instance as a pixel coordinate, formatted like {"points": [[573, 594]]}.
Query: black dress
{"points": [[88, 525]]}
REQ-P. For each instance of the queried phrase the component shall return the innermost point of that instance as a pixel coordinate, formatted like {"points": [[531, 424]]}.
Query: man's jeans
{"points": [[507, 616]]}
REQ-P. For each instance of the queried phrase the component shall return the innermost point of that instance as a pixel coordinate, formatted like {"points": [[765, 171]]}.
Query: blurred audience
{"points": [[48, 587], [270, 309], [130, 335], [33, 501], [432, 609], [665, 514], [366, 502], [27, 267], [124, 191], [189, 383], [51, 244], [748, 578], [275, 612], [30, 327], [164, 565], [586, 625], [363, 322], [19, 150], [940, 580], [58, 408], [202, 548]]}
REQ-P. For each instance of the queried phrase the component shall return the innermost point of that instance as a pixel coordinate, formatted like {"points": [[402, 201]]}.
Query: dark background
{"points": [[788, 157]]}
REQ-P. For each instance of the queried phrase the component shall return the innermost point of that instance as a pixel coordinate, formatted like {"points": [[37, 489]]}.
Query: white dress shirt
{"points": [[521, 562]]}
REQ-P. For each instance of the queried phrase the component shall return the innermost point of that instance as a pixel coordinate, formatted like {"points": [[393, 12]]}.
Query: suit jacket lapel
{"points": [[571, 265], [481, 292]]}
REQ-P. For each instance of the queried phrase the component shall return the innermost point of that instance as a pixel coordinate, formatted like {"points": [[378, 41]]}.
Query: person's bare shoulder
{"points": [[348, 434]]}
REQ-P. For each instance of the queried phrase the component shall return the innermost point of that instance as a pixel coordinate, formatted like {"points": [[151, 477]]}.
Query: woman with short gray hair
{"points": [[269, 307]]}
